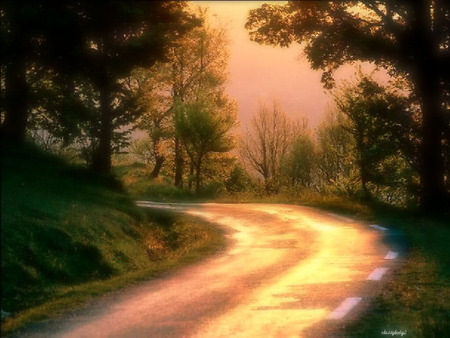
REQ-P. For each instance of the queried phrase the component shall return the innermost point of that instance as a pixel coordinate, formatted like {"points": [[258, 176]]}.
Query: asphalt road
{"points": [[288, 271]]}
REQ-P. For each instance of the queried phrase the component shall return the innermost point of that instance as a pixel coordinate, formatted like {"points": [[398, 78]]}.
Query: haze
{"points": [[259, 72]]}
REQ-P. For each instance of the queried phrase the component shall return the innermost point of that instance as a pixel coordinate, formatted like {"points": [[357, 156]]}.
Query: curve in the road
{"points": [[289, 271]]}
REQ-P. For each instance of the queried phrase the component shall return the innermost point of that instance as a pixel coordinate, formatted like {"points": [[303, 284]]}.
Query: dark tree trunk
{"points": [[16, 90], [158, 165], [101, 161], [362, 162], [433, 195], [366, 192], [179, 161], [191, 175], [198, 167]]}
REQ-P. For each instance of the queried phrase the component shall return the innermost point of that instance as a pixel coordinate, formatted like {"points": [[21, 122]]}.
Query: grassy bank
{"points": [[417, 300], [67, 236]]}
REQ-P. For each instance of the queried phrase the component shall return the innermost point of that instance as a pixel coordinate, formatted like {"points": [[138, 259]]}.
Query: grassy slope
{"points": [[417, 301], [67, 236]]}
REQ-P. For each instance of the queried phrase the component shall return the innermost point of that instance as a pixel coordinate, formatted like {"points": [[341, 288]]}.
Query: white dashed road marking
{"points": [[378, 227], [344, 308], [377, 274], [391, 255], [349, 303], [345, 219]]}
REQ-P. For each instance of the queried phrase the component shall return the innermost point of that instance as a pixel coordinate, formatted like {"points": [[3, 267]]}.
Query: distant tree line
{"points": [[360, 149]]}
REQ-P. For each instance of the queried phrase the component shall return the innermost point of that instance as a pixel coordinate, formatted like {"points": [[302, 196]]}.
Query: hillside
{"points": [[68, 235]]}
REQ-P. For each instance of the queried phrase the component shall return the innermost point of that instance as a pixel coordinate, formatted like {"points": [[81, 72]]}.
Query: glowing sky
{"points": [[259, 72]]}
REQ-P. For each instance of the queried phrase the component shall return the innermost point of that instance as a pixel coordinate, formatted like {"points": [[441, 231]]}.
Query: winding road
{"points": [[288, 271]]}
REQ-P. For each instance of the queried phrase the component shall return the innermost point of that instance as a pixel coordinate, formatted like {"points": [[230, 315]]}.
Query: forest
{"points": [[120, 86]]}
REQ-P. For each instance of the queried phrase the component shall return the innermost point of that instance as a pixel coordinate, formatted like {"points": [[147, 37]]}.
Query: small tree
{"points": [[204, 126], [368, 107], [334, 158], [299, 161], [266, 143], [196, 67]]}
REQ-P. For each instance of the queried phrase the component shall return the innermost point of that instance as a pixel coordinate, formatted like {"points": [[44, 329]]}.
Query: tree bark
{"points": [[433, 195], [158, 165], [198, 167], [179, 161], [101, 161]]}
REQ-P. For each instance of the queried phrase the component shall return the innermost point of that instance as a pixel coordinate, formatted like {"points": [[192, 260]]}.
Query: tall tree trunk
{"points": [[433, 195], [101, 161], [362, 162], [179, 161], [158, 165], [16, 89], [366, 192], [191, 174], [198, 167]]}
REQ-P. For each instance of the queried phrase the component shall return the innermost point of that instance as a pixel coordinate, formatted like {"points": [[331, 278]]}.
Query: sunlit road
{"points": [[288, 271]]}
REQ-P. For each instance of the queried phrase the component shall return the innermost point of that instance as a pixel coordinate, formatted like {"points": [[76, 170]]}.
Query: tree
{"points": [[265, 145], [29, 40], [408, 38], [121, 36], [196, 68], [156, 120], [369, 108], [105, 41], [334, 153], [299, 161], [204, 126]]}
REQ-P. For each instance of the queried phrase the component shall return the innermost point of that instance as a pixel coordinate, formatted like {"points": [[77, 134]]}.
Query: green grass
{"points": [[138, 183], [418, 298], [68, 235]]}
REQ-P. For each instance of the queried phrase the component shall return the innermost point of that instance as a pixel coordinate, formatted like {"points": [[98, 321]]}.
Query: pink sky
{"points": [[259, 72], [264, 73]]}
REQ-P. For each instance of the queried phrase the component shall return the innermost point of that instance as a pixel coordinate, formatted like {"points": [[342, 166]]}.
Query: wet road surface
{"points": [[289, 271]]}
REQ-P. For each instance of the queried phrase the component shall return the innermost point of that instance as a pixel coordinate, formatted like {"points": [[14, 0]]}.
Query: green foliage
{"points": [[335, 166], [78, 56], [342, 32], [195, 70], [204, 127], [379, 153], [298, 163], [239, 180]]}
